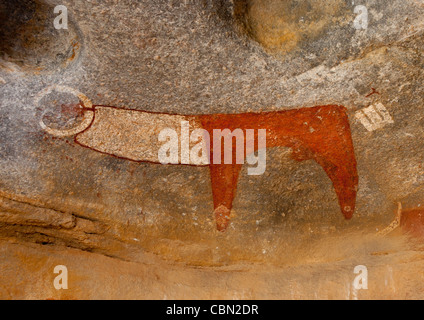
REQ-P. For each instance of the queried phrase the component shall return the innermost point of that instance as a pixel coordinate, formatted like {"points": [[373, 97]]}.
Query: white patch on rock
{"points": [[374, 117]]}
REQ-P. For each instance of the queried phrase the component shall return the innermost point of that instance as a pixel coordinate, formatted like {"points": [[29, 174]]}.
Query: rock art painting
{"points": [[211, 149], [320, 133]]}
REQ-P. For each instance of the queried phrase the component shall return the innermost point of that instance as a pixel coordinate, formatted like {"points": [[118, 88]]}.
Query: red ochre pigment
{"points": [[320, 133], [412, 221]]}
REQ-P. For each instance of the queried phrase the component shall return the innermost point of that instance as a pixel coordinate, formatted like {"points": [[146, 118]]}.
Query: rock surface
{"points": [[150, 227]]}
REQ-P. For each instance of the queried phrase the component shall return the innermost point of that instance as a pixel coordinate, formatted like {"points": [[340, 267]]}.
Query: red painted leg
{"points": [[345, 182], [335, 153], [224, 183]]}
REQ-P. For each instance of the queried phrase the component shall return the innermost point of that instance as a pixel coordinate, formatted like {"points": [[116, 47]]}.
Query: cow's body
{"points": [[320, 133]]}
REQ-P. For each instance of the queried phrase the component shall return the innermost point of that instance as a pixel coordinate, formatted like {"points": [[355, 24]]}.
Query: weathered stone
{"points": [[62, 203]]}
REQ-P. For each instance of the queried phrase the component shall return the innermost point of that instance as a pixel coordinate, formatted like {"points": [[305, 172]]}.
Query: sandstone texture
{"points": [[142, 230]]}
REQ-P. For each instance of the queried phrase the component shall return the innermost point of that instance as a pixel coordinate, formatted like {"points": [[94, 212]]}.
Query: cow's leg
{"points": [[345, 182], [224, 184], [331, 146], [337, 156]]}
